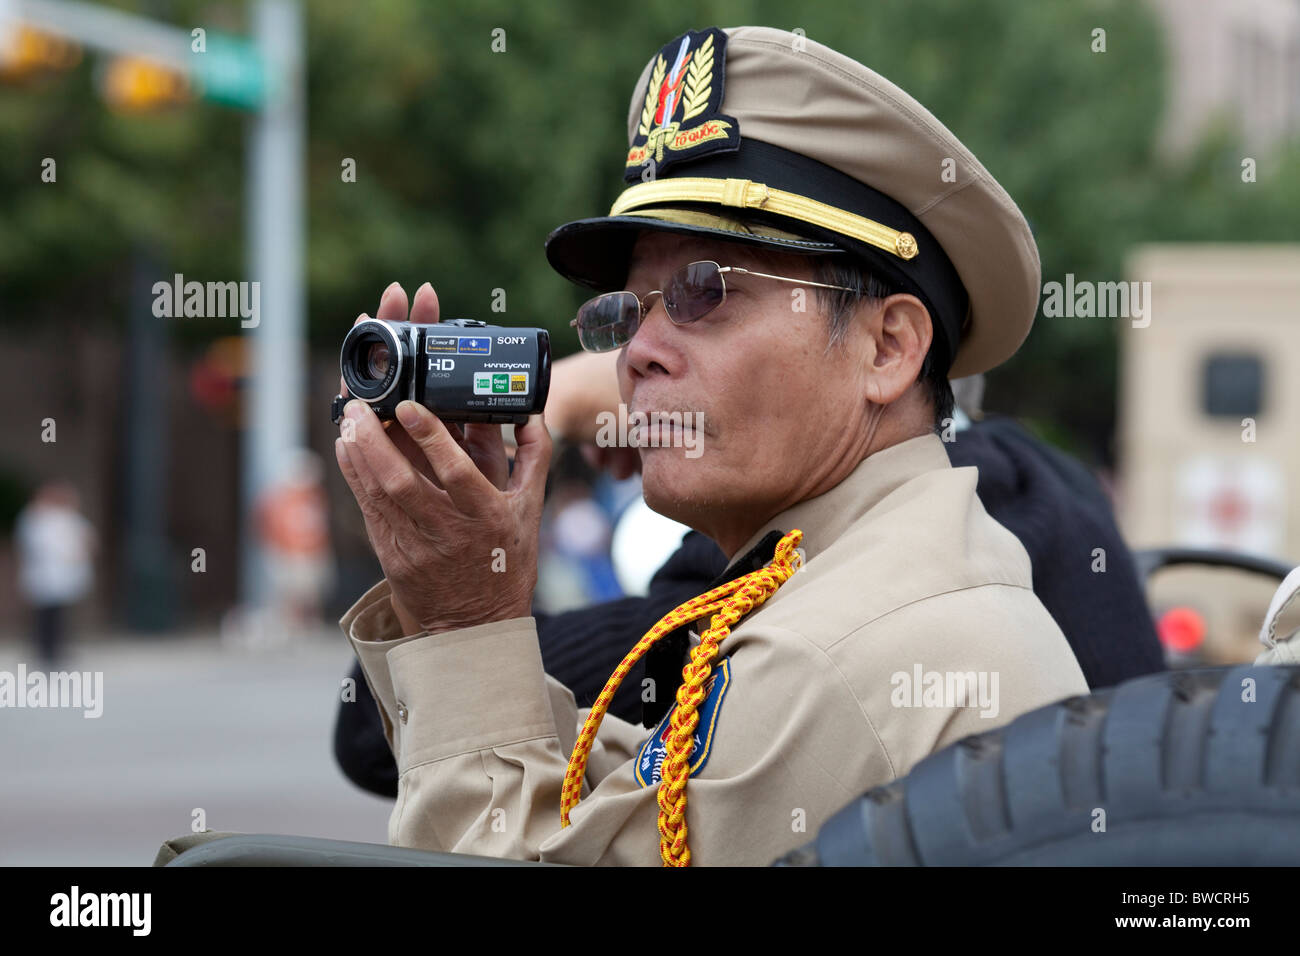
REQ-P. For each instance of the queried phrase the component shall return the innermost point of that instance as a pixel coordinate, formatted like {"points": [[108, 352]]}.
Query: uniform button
{"points": [[402, 712]]}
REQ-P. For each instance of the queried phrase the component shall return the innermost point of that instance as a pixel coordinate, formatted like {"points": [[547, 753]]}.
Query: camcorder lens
{"points": [[377, 360], [372, 360]]}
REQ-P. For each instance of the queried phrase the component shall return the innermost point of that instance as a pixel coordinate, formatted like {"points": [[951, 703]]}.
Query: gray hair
{"points": [[868, 291]]}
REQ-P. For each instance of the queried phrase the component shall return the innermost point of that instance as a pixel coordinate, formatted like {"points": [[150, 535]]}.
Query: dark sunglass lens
{"points": [[694, 292], [608, 321]]}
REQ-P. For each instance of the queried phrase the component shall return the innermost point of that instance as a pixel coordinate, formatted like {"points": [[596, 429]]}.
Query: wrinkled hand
{"points": [[456, 537]]}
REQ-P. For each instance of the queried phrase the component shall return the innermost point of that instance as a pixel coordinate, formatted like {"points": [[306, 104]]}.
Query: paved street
{"points": [[186, 724]]}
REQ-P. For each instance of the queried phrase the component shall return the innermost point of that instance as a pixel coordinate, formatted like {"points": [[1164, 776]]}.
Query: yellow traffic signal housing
{"points": [[25, 52], [135, 85]]}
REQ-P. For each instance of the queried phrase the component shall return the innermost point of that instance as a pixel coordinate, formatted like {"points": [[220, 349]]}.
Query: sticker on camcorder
{"points": [[500, 383], [459, 344], [442, 343]]}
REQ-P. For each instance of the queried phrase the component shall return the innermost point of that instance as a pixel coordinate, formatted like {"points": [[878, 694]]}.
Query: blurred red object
{"points": [[1181, 629], [215, 378]]}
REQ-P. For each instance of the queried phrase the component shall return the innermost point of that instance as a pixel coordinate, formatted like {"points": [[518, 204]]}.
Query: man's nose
{"points": [[650, 348]]}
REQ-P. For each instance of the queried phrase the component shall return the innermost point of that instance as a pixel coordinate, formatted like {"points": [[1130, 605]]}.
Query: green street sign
{"points": [[230, 72]]}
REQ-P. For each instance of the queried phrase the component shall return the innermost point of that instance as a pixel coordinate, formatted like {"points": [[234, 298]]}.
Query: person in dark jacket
{"points": [[1083, 571], [1047, 499]]}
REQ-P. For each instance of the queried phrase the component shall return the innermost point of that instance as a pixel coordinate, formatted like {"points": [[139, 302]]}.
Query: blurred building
{"points": [[1238, 59], [1208, 403]]}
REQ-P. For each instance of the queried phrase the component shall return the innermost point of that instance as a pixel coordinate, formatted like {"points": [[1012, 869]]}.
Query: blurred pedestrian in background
{"points": [[56, 546], [575, 536], [294, 525]]}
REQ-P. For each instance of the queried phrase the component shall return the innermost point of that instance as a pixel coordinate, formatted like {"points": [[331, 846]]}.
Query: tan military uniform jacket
{"points": [[906, 577], [1280, 650]]}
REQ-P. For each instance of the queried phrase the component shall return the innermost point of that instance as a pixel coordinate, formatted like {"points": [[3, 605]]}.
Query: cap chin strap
{"points": [[747, 194]]}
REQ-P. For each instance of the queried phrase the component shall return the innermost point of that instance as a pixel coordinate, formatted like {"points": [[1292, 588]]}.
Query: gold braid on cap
{"points": [[747, 194]]}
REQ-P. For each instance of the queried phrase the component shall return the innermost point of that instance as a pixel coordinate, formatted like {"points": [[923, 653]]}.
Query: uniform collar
{"points": [[825, 517]]}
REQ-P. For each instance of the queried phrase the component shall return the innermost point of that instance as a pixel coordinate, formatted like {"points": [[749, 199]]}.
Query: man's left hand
{"points": [[438, 546]]}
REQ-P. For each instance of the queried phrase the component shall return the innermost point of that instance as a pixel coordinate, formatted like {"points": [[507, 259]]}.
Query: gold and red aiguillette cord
{"points": [[728, 603]]}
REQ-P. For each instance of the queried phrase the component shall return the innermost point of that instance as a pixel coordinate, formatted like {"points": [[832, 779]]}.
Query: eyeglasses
{"points": [[609, 321]]}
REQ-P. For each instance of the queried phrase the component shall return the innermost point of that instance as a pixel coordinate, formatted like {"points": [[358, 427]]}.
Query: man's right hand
{"points": [[481, 441]]}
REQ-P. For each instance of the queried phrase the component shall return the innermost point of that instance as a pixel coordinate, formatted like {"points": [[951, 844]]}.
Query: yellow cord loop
{"points": [[728, 603]]}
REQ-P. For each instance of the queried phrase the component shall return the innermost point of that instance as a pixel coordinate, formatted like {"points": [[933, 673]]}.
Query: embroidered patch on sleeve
{"points": [[650, 760], [680, 119]]}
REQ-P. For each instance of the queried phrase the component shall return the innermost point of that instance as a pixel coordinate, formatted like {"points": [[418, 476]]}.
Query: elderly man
{"points": [[803, 255]]}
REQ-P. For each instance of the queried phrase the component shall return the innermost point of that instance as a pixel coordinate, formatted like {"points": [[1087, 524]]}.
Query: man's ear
{"points": [[901, 334]]}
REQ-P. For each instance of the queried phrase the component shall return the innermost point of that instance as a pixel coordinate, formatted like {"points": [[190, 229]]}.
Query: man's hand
{"points": [[437, 505]]}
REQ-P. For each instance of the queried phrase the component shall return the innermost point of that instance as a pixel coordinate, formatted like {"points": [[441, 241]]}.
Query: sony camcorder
{"points": [[462, 370]]}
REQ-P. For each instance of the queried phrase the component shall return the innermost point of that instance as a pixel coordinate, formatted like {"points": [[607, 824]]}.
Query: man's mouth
{"points": [[674, 429], [666, 433], [693, 422]]}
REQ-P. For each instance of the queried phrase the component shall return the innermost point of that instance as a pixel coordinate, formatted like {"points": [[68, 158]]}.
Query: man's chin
{"points": [[677, 487], [667, 482]]}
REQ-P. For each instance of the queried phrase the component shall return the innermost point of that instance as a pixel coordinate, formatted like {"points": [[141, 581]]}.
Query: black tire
{"points": [[1187, 772]]}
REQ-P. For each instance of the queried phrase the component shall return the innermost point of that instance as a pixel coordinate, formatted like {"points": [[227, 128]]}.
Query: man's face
{"points": [[782, 414]]}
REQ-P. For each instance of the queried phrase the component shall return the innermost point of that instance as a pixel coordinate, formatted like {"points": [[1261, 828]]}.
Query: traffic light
{"points": [[25, 52], [134, 85]]}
